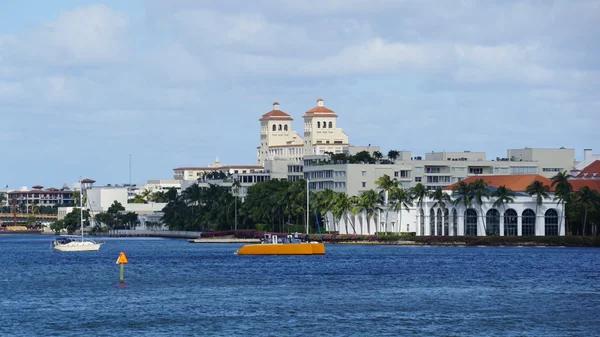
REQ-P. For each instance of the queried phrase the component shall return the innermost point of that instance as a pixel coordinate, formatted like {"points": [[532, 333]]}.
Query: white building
{"points": [[515, 219], [437, 170]]}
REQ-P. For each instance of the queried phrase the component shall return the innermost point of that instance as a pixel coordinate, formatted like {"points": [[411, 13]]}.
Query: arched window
{"points": [[324, 125], [422, 222], [492, 222], [330, 125], [439, 222], [470, 222], [454, 222], [528, 223], [431, 222], [446, 221], [510, 222], [551, 222], [279, 127], [318, 125], [285, 127], [274, 127]]}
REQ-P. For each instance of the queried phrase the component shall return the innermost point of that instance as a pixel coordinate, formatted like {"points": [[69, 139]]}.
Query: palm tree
{"points": [[479, 192], [386, 184], [503, 196], [587, 198], [35, 208], [342, 207], [441, 198], [235, 188], [419, 193], [563, 192], [392, 155], [540, 191], [462, 194], [399, 198], [369, 202], [377, 155]]}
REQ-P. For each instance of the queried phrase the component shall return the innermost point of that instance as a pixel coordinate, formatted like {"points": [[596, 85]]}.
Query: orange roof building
{"points": [[515, 182], [277, 138], [321, 133]]}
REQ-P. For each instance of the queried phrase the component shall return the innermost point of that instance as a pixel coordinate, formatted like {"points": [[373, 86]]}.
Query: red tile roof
{"points": [[590, 171], [319, 111], [276, 114], [593, 184], [514, 182], [88, 181]]}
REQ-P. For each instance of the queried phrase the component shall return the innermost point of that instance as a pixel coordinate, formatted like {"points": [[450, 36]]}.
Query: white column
{"points": [[502, 225], [519, 226]]}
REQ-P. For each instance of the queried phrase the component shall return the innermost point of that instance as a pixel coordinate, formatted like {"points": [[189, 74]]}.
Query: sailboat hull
{"points": [[283, 249], [78, 246]]}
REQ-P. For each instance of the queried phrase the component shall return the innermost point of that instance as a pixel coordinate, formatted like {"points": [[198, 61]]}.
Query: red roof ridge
{"points": [[514, 182]]}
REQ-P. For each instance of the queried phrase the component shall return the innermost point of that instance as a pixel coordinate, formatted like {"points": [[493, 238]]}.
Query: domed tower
{"points": [[321, 133], [277, 139]]}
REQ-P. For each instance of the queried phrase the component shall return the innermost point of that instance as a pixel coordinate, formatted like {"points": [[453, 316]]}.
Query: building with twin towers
{"points": [[278, 140]]}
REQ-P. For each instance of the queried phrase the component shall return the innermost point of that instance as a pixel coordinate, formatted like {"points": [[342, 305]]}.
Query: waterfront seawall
{"points": [[154, 233]]}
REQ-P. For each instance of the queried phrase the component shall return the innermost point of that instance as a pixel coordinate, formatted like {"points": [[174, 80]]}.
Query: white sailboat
{"points": [[75, 243]]}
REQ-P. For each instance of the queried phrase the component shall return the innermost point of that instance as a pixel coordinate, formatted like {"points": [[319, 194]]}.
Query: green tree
{"points": [[503, 196], [563, 192], [393, 155], [57, 226], [540, 191], [479, 192], [419, 194], [235, 189], [369, 201], [377, 155], [399, 199], [31, 221], [363, 156], [386, 184], [588, 199], [342, 208]]}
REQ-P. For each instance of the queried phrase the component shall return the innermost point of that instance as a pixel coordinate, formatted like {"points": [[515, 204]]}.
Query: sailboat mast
{"points": [[307, 205], [81, 206]]}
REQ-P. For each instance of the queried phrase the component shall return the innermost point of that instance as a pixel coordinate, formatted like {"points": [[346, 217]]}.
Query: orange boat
{"points": [[290, 245]]}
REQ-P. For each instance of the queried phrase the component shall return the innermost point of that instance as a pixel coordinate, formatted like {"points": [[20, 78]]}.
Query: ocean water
{"points": [[175, 288]]}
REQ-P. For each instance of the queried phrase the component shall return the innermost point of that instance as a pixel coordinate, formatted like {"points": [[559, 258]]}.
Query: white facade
{"points": [[515, 219]]}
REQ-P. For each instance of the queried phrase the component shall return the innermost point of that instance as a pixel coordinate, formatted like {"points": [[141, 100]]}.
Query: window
{"points": [[364, 184], [396, 174], [439, 222], [454, 222], [470, 222], [458, 169], [552, 169], [330, 125], [364, 173], [404, 174], [492, 222], [551, 223], [324, 125], [475, 170], [501, 170], [510, 222], [285, 128], [318, 125], [418, 179], [431, 222], [446, 221], [274, 127], [279, 127], [528, 223], [432, 169], [523, 170], [422, 227]]}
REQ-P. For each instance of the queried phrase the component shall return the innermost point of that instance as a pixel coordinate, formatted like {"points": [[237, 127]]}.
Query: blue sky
{"points": [[84, 84]]}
